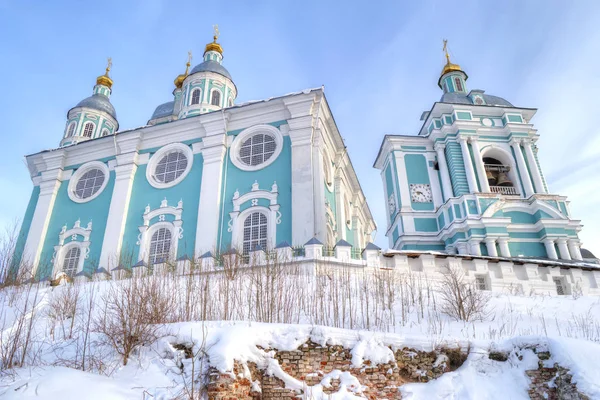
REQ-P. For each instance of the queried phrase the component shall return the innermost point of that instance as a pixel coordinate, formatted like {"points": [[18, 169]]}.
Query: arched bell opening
{"points": [[500, 172]]}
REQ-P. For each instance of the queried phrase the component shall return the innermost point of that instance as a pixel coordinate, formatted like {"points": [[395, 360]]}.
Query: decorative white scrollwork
{"points": [[277, 217], [230, 225]]}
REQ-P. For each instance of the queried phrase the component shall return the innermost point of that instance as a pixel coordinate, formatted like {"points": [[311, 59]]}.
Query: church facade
{"points": [[470, 182], [204, 175]]}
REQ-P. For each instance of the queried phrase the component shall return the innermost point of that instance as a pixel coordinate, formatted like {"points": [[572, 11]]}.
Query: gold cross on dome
{"points": [[445, 50], [189, 61], [108, 64], [217, 33]]}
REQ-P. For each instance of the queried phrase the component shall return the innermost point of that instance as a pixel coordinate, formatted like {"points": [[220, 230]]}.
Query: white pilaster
{"points": [[475, 247], [119, 207], [41, 218], [483, 182], [436, 190], [443, 166], [533, 167], [209, 206], [318, 179], [574, 249], [563, 249], [550, 249], [522, 167], [490, 244], [503, 245], [470, 172], [462, 247], [403, 182]]}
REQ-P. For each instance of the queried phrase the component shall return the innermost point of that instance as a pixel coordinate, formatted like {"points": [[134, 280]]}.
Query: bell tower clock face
{"points": [[420, 193]]}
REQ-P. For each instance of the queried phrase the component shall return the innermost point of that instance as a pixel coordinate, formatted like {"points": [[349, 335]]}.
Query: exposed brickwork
{"points": [[552, 384]]}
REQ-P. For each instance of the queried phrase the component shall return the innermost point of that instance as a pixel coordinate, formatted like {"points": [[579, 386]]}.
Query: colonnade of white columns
{"points": [[569, 249]]}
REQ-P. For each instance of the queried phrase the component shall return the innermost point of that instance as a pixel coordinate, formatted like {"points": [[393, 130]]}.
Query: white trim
{"points": [[234, 152], [93, 128], [156, 157], [212, 90], [80, 172], [192, 96], [61, 250], [147, 230], [72, 124]]}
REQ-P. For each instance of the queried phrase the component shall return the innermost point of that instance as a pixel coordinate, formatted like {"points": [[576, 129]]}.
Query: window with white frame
{"points": [[561, 290], [71, 261], [215, 98], [169, 165], [71, 129], [257, 149], [160, 245], [88, 129], [458, 84], [481, 282], [230, 102], [255, 232], [196, 96], [88, 182], [105, 132]]}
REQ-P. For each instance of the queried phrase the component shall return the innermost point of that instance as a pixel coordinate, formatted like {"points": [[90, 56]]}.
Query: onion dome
{"points": [[98, 102], [214, 46], [105, 80], [453, 78], [180, 78]]}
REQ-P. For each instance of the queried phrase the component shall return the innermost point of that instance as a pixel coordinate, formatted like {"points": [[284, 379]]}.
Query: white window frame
{"points": [[61, 250], [211, 96], [237, 217], [74, 125], [79, 173], [199, 97], [234, 152], [147, 230], [105, 130], [83, 129], [156, 157]]}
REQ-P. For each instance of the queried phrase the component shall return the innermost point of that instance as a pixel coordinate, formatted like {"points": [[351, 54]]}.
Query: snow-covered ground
{"points": [[64, 356]]}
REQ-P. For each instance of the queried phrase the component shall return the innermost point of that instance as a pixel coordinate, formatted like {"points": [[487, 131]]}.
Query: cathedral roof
{"points": [[98, 102], [164, 110], [462, 98], [211, 66]]}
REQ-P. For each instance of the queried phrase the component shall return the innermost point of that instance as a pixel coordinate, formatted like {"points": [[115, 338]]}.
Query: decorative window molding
{"points": [[71, 129], [80, 238], [77, 175], [105, 132], [215, 97], [147, 230], [246, 134], [159, 155], [196, 97], [88, 129], [237, 218], [392, 203]]}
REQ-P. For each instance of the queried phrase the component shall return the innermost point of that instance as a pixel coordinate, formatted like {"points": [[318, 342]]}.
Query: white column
{"points": [[475, 248], [563, 249], [209, 206], [341, 211], [490, 243], [550, 249], [483, 182], [436, 190], [318, 179], [119, 207], [443, 165], [503, 245], [533, 167], [574, 249], [462, 248], [403, 182], [522, 167], [470, 172], [49, 186], [303, 212]]}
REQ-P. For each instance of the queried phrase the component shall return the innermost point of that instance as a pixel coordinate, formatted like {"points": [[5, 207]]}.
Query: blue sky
{"points": [[379, 63]]}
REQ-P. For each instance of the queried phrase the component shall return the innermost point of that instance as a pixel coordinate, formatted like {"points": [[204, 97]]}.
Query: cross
{"points": [[216, 28], [445, 50], [109, 64], [189, 61]]}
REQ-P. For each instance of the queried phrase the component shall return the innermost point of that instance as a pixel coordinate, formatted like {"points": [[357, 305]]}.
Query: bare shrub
{"points": [[62, 307], [134, 312], [459, 298]]}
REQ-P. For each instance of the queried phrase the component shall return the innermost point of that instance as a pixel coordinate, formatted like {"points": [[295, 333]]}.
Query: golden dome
{"points": [[105, 80], [449, 67], [180, 78], [214, 46]]}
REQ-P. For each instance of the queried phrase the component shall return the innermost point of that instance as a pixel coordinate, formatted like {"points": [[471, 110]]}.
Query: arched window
{"points": [[458, 84], [255, 232], [88, 129], [105, 132], [196, 96], [160, 246], [215, 98], [71, 261], [71, 130], [230, 102]]}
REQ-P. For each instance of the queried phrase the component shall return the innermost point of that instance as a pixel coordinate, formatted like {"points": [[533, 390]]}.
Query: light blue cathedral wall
{"points": [[279, 171], [24, 231], [143, 194], [416, 172], [66, 212]]}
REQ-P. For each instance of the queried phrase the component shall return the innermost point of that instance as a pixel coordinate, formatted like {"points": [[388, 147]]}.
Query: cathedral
{"points": [[207, 175], [470, 182]]}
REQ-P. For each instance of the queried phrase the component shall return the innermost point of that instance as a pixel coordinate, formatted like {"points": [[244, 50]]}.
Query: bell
{"points": [[503, 180], [491, 177]]}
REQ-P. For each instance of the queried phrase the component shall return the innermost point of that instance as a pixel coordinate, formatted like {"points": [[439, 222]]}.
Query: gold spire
{"points": [[449, 67], [105, 79], [214, 46], [180, 78]]}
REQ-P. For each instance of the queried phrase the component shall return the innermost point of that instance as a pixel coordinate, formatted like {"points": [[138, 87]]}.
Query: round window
{"points": [[256, 147], [169, 165], [88, 182]]}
